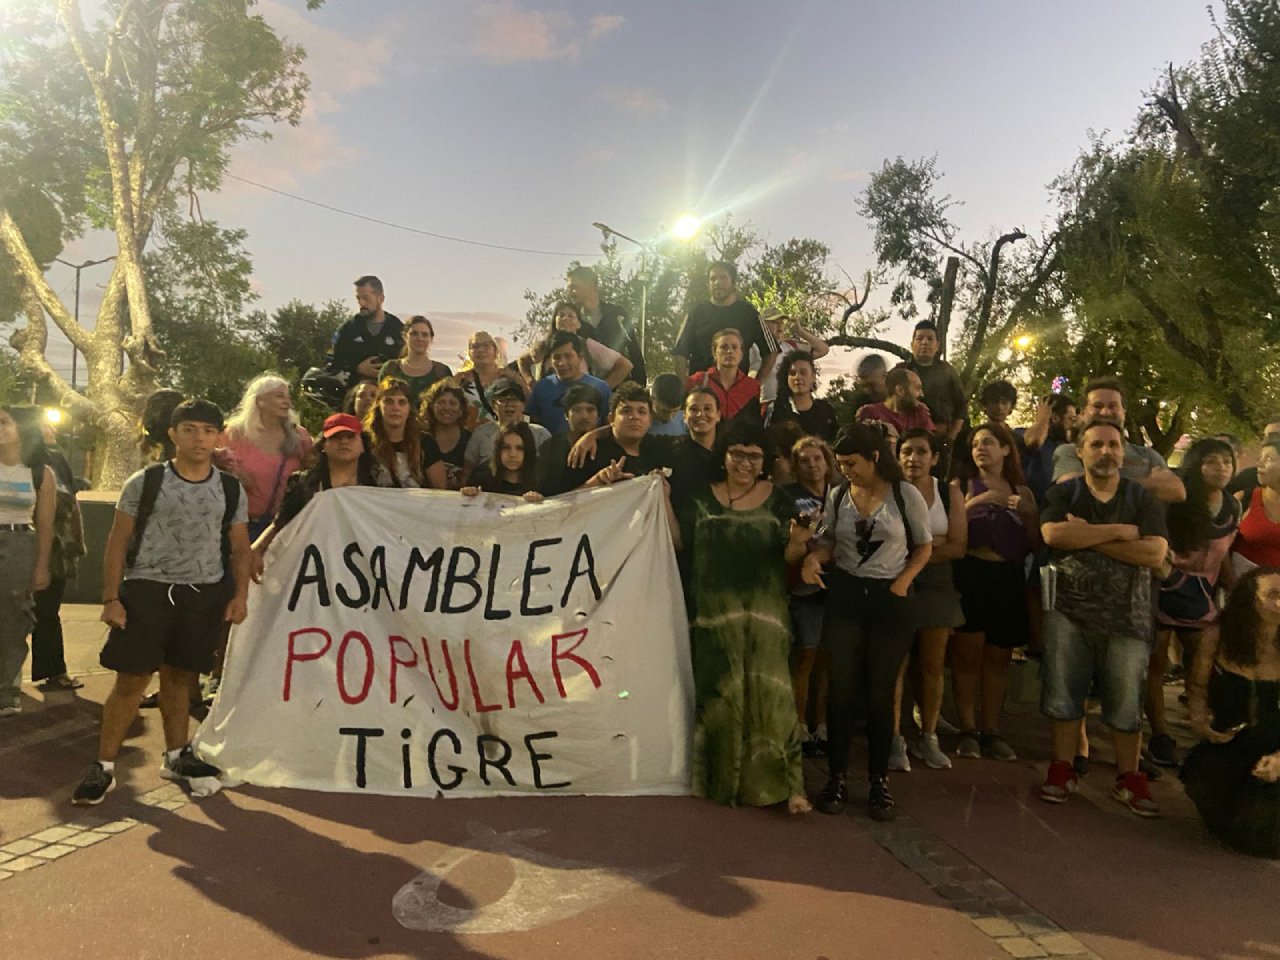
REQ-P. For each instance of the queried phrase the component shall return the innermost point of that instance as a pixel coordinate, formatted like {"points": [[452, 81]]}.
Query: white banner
{"points": [[420, 642]]}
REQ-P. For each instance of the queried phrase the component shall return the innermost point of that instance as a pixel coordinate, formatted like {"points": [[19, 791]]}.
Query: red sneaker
{"points": [[1134, 791], [1060, 784]]}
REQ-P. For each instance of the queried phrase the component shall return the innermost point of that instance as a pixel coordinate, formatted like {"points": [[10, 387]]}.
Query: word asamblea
{"points": [[451, 587]]}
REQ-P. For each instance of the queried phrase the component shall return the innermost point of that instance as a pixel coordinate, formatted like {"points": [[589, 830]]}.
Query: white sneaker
{"points": [[898, 756], [12, 710], [945, 727], [927, 749]]}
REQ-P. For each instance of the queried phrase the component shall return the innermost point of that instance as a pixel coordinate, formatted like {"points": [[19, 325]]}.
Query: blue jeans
{"points": [[1073, 656]]}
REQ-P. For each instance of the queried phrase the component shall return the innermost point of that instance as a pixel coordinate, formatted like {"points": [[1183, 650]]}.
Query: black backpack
{"points": [[152, 479]]}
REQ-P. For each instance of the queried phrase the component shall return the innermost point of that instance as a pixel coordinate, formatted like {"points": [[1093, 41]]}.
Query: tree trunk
{"points": [[944, 307]]}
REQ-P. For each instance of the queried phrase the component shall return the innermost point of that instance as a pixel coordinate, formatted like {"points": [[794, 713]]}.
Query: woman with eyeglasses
{"points": [[737, 536], [483, 367], [875, 530], [414, 365]]}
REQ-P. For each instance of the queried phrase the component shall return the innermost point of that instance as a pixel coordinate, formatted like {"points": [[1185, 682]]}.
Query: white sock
{"points": [[109, 766], [172, 755]]}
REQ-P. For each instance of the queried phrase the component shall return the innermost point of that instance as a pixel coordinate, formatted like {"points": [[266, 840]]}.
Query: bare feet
{"points": [[799, 804]]}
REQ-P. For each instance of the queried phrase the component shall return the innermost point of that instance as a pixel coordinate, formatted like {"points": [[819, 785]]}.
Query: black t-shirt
{"points": [[431, 454], [483, 478], [1100, 593], [552, 469], [705, 319], [1131, 504], [818, 421], [691, 465], [655, 452]]}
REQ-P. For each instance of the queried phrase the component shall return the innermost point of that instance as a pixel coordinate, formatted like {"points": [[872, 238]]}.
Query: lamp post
{"points": [[685, 230], [77, 267]]}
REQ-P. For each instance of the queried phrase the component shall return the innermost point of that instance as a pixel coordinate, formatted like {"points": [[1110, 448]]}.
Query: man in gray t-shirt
{"points": [[167, 595], [183, 542], [1104, 400]]}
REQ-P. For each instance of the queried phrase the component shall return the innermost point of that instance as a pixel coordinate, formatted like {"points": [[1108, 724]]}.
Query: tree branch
{"points": [[869, 343], [958, 251], [991, 276], [33, 277], [31, 341]]}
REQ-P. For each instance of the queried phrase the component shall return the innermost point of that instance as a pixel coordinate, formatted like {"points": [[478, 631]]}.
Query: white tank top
{"points": [[939, 522], [17, 494]]}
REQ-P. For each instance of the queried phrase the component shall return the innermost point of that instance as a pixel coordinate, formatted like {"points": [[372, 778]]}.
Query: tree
{"points": [[795, 275], [297, 336], [999, 292], [1172, 232], [115, 123]]}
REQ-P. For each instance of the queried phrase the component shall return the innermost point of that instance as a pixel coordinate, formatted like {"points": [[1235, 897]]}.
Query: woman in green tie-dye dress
{"points": [[737, 536]]}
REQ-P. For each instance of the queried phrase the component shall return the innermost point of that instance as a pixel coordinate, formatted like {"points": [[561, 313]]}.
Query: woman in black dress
{"points": [[1233, 774]]}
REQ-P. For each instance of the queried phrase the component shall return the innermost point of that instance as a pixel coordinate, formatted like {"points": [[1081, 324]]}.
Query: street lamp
{"points": [[685, 229], [77, 267], [1023, 341]]}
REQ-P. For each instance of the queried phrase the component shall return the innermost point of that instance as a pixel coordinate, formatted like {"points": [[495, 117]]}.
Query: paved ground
{"points": [[976, 867]]}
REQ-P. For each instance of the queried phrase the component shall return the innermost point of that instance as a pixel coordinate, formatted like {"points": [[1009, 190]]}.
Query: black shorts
{"points": [[167, 624], [993, 595]]}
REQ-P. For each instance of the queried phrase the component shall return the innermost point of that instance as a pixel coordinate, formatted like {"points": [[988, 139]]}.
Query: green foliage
{"points": [[297, 335], [1169, 236], [795, 275], [198, 286]]}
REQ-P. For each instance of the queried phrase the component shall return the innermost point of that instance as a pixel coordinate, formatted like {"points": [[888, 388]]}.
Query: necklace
{"points": [[732, 499]]}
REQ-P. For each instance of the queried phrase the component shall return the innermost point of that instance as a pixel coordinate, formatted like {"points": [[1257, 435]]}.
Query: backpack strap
{"points": [[842, 491], [901, 504], [152, 480], [231, 501]]}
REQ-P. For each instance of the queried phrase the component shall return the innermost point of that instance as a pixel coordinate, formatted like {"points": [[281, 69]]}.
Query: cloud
{"points": [[506, 33], [639, 101], [603, 24], [596, 155], [337, 64], [852, 175]]}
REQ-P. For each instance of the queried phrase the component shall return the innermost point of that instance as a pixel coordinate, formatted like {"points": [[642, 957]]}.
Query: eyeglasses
{"points": [[741, 457]]}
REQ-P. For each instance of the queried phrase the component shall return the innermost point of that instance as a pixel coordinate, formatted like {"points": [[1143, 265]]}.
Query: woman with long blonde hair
{"points": [[264, 444]]}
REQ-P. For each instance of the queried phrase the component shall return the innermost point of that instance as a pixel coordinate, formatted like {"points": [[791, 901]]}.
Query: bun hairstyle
{"points": [[870, 442]]}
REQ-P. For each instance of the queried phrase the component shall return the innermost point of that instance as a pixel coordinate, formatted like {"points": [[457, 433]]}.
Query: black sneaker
{"points": [[95, 785], [1163, 750], [1147, 765], [880, 801], [188, 766], [834, 795]]}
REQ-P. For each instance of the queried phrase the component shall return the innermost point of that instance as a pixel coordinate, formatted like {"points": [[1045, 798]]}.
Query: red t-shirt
{"points": [[1259, 539], [901, 420], [745, 391]]}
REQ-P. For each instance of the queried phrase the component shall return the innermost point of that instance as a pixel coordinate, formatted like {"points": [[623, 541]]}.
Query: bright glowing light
{"points": [[53, 415], [1023, 342], [686, 227]]}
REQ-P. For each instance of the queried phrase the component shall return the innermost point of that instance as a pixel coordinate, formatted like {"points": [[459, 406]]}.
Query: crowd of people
{"points": [[833, 571]]}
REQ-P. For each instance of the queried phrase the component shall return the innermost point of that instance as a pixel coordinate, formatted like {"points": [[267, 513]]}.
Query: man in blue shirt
{"points": [[546, 403]]}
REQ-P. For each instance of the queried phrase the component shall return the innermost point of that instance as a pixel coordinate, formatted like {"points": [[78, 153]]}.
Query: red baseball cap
{"points": [[340, 422]]}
